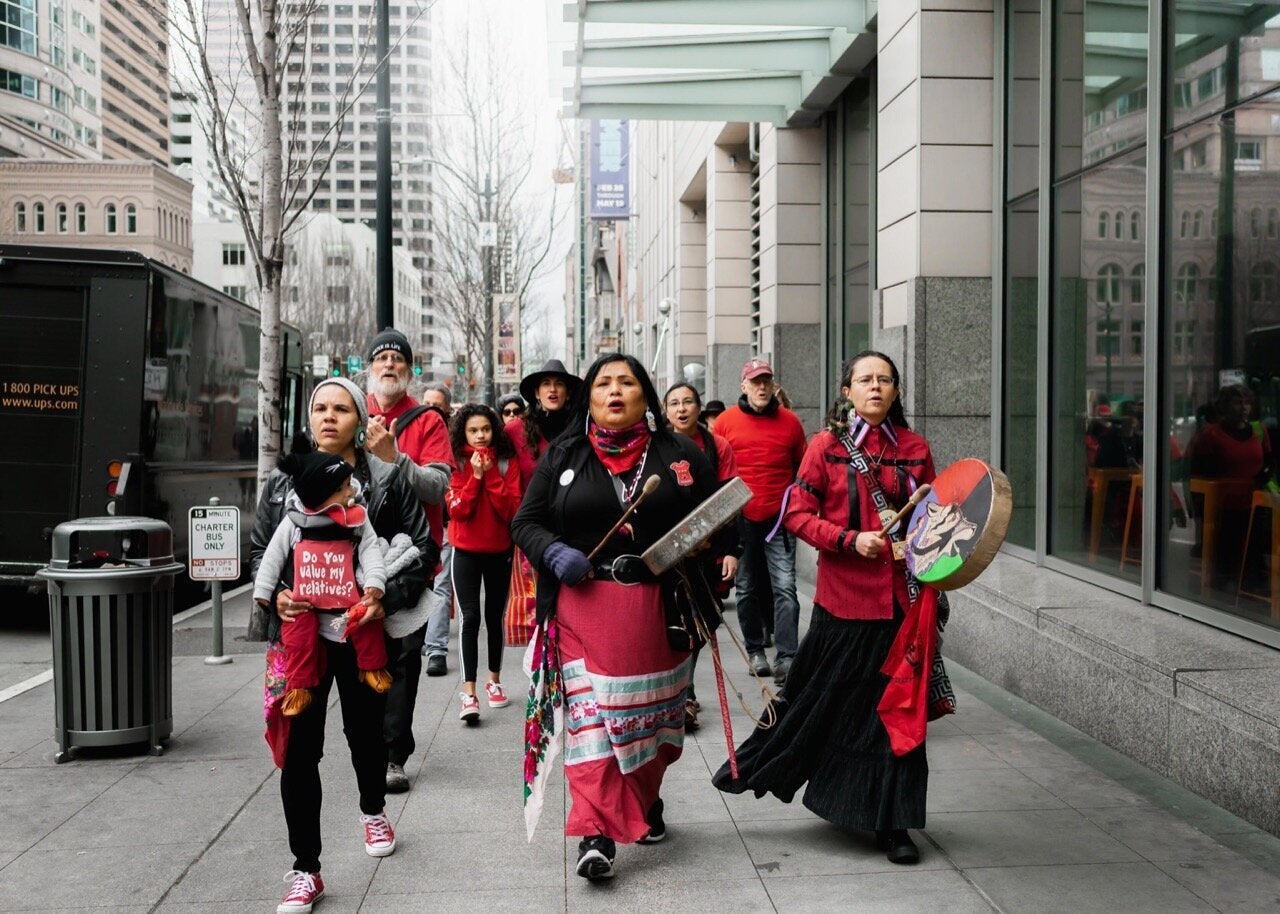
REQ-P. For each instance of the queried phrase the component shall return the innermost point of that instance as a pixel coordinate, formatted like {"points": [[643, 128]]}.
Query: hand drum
{"points": [[957, 529]]}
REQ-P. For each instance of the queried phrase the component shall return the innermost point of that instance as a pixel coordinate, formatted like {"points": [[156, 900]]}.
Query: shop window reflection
{"points": [[1222, 380]]}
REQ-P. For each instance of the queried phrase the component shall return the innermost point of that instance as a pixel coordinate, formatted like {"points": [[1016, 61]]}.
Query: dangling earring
{"points": [[360, 436], [650, 421], [586, 426]]}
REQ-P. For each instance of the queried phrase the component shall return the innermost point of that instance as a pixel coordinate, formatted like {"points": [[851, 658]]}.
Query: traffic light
{"points": [[417, 363], [461, 361], [337, 372]]}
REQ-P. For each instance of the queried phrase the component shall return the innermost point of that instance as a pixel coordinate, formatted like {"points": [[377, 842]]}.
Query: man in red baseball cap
{"points": [[768, 442]]}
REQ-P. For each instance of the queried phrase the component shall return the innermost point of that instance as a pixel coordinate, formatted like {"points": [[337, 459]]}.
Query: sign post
{"points": [[214, 538]]}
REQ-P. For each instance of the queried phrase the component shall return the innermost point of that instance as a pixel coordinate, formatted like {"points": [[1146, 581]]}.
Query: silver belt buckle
{"points": [[613, 570]]}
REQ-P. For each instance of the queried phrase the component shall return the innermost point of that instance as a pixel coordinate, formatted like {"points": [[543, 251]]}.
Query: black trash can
{"points": [[111, 620]]}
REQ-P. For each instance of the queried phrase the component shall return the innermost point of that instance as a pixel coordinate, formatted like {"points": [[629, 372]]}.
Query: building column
{"points": [[728, 277], [690, 324], [933, 220], [791, 280]]}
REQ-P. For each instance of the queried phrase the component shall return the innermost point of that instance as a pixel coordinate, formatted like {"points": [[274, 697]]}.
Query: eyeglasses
{"points": [[866, 380], [512, 411]]}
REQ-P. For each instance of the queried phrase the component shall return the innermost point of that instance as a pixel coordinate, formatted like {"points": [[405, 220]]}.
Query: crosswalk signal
{"points": [[417, 364], [461, 361]]}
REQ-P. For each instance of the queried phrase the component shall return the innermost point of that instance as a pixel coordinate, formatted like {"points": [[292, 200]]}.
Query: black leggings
{"points": [[469, 570], [362, 712]]}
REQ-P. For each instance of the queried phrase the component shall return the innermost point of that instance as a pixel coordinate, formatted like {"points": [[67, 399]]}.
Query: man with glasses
{"points": [[422, 452], [768, 443]]}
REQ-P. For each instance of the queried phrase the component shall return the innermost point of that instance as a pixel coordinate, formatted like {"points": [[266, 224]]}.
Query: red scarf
{"points": [[619, 449]]}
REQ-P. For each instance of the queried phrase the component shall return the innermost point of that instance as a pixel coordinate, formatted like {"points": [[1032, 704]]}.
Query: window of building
{"points": [[1249, 152], [1184, 289], [130, 219], [18, 25], [234, 291], [18, 83], [20, 217], [233, 254], [60, 219], [338, 295], [1104, 223], [109, 218], [38, 212]]}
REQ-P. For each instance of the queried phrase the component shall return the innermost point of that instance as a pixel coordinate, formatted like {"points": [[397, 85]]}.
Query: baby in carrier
{"points": [[325, 551]]}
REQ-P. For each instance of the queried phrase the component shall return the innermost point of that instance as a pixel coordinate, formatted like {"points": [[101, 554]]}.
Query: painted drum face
{"points": [[959, 526]]}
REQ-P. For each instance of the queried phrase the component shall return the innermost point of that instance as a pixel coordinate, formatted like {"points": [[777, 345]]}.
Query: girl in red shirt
{"points": [[828, 732], [483, 497]]}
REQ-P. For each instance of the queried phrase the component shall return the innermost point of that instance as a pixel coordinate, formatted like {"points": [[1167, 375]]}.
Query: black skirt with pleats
{"points": [[828, 735]]}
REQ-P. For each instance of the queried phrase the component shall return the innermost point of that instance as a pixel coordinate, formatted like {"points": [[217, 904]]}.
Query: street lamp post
{"points": [[385, 273], [489, 386], [664, 308]]}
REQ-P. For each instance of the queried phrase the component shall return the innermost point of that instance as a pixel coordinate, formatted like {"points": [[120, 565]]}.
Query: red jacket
{"points": [[480, 510], [527, 458], [426, 440], [851, 586], [768, 447]]}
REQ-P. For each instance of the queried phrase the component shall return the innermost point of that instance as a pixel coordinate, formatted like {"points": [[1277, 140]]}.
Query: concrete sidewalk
{"points": [[1025, 814]]}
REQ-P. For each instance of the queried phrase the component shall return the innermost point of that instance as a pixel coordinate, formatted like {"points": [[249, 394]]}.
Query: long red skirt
{"points": [[624, 715]]}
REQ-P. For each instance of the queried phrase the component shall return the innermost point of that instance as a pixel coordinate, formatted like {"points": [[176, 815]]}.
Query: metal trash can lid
{"points": [[151, 542]]}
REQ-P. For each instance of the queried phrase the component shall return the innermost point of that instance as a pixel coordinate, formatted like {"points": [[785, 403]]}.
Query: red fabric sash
{"points": [[904, 707]]}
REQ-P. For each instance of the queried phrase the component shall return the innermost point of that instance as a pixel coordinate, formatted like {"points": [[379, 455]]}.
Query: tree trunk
{"points": [[272, 265]]}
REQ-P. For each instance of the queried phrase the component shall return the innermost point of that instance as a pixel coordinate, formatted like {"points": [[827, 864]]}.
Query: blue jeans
{"points": [[437, 637], [777, 559]]}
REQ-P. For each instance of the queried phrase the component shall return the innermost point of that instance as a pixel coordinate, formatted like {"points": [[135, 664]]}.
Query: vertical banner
{"points": [[506, 339], [610, 170]]}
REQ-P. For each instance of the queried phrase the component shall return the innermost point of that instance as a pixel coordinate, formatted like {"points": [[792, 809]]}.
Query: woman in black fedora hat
{"points": [[548, 391]]}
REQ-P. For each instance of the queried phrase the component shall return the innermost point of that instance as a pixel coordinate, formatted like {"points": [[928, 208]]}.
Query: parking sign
{"points": [[214, 536]]}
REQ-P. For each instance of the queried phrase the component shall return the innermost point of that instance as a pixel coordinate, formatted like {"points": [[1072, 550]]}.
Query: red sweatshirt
{"points": [[768, 448], [480, 510], [426, 440]]}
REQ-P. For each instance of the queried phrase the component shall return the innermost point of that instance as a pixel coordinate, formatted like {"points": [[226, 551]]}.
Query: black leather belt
{"points": [[625, 569]]}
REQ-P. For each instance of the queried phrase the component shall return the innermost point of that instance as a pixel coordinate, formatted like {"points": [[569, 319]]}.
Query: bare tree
{"points": [[327, 290], [483, 145], [272, 178]]}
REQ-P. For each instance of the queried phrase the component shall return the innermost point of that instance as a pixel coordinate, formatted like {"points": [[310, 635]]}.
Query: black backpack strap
{"points": [[414, 412]]}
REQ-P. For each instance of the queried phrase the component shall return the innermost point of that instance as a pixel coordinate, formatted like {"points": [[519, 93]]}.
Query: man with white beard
{"points": [[422, 452]]}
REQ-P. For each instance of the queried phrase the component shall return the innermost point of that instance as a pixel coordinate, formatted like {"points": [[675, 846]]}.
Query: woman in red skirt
{"points": [[623, 682]]}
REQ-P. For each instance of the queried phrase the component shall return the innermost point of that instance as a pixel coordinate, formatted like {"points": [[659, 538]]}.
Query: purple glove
{"points": [[568, 564]]}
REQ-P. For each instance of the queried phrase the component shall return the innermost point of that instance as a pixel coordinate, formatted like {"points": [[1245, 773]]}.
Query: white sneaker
{"points": [[497, 697], [379, 836]]}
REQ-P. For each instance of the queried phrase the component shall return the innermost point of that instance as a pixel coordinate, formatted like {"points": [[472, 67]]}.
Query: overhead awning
{"points": [[713, 60]]}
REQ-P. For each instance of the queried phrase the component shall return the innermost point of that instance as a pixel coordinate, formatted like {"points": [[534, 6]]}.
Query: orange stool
{"points": [[1100, 485], [1133, 511], [1267, 501]]}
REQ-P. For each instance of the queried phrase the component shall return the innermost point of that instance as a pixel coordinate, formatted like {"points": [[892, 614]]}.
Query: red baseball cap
{"points": [[756, 368]]}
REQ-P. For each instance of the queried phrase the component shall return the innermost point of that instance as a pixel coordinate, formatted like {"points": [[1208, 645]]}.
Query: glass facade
{"points": [[1168, 388]]}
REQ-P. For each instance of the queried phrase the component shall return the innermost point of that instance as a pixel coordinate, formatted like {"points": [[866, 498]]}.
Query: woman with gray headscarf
{"points": [[338, 417]]}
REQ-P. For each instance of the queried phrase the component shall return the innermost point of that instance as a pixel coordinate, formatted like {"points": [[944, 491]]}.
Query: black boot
{"points": [[898, 846]]}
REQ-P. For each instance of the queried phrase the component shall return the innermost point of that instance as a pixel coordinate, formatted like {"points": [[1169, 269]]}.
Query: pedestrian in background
{"points": [[623, 681], [435, 642], [415, 439], [548, 391], [828, 733], [483, 498], [711, 413], [510, 407], [339, 419], [683, 404], [768, 443]]}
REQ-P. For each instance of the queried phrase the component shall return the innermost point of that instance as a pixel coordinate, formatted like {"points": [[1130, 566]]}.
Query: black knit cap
{"points": [[713, 408], [315, 476], [391, 339]]}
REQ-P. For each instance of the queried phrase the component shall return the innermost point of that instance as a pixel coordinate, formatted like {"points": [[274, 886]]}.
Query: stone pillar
{"points": [[690, 325], [933, 216], [791, 281], [728, 237]]}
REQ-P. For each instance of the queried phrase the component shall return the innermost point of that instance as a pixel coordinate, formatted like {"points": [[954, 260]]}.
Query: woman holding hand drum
{"points": [[828, 731], [623, 683]]}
